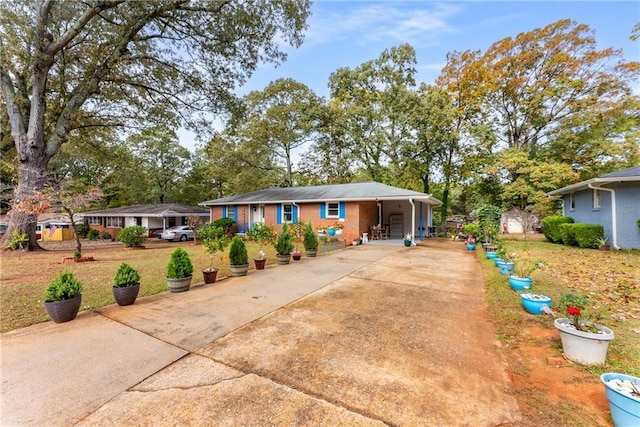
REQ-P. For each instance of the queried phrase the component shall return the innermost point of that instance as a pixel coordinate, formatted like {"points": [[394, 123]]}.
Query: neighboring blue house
{"points": [[611, 200]]}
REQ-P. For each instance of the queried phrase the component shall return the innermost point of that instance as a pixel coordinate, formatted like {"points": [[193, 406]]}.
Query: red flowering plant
{"points": [[574, 306]]}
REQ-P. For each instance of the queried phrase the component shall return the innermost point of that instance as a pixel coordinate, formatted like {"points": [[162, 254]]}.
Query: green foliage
{"points": [[283, 243], [551, 227], [297, 233], [63, 287], [17, 240], [638, 222], [179, 265], [93, 234], [126, 276], [105, 235], [588, 235], [214, 239], [133, 236], [224, 223], [472, 229], [310, 238], [261, 234], [238, 252], [489, 219], [82, 230], [568, 233]]}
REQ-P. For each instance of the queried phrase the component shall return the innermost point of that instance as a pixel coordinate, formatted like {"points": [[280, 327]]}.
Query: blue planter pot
{"points": [[492, 255], [625, 409], [506, 268], [498, 261], [471, 246], [534, 305], [520, 283], [331, 232]]}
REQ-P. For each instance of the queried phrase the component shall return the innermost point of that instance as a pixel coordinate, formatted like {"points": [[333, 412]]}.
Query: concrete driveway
{"points": [[370, 335]]}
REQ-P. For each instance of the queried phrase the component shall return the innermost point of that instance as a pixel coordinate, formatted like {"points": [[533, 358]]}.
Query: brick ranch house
{"points": [[153, 217], [356, 206]]}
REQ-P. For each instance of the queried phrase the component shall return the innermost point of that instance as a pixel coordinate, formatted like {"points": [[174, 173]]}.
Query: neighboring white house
{"points": [[611, 200]]}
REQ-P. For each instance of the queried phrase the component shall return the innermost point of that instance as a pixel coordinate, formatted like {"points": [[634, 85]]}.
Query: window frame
{"points": [[596, 200], [285, 207], [328, 209], [230, 210], [572, 202], [109, 222], [94, 220]]}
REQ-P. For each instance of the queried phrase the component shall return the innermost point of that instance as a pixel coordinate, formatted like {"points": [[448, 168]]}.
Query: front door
{"points": [[257, 214]]}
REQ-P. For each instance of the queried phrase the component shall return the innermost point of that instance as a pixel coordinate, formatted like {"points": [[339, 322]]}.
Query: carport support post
{"points": [[413, 222], [421, 223]]}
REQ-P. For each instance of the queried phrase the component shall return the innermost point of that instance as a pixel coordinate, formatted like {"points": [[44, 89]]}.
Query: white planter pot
{"points": [[586, 348], [338, 231]]}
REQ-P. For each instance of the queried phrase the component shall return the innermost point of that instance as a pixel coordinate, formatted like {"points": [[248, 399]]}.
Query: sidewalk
{"points": [[370, 335]]}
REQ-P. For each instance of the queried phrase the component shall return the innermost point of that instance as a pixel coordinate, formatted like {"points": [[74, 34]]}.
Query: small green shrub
{"points": [[588, 235], [63, 287], [261, 234], [179, 265], [126, 276], [568, 234], [93, 234], [310, 238], [17, 240], [105, 235], [238, 252], [214, 239], [224, 223], [133, 236], [82, 230], [551, 227], [283, 244]]}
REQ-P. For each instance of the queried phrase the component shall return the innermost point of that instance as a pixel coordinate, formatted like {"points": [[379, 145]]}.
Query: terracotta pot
{"points": [[260, 263], [210, 275]]}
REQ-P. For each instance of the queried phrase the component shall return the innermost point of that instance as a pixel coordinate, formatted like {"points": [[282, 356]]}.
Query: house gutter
{"points": [[413, 222], [614, 222]]}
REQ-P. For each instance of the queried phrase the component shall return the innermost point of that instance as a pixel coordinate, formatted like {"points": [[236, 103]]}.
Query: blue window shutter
{"points": [[279, 214], [294, 214], [224, 212], [235, 213], [323, 210], [341, 209]]}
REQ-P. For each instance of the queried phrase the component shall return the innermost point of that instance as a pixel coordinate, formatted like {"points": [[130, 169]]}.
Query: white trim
{"points": [[326, 210]]}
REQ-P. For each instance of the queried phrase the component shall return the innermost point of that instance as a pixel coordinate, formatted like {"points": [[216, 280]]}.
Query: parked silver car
{"points": [[179, 232]]}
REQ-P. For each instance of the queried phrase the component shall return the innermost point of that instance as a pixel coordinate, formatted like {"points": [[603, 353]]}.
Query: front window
{"points": [[93, 220], [114, 221], [596, 199], [572, 202], [230, 209], [287, 213], [333, 209]]}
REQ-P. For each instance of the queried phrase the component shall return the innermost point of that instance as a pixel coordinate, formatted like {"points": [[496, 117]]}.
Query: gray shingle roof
{"points": [[627, 175], [320, 193], [156, 210]]}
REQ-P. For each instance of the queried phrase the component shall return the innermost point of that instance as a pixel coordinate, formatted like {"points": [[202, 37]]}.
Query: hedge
{"points": [[568, 233], [551, 227], [581, 234]]}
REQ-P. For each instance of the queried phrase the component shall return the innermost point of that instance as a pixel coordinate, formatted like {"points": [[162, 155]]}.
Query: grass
{"points": [[591, 273], [25, 275]]}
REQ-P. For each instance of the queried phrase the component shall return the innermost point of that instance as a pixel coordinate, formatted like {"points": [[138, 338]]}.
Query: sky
{"points": [[349, 33]]}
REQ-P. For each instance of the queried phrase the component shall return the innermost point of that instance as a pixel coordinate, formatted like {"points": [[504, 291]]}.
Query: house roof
{"points": [[156, 210], [362, 191], [625, 175]]}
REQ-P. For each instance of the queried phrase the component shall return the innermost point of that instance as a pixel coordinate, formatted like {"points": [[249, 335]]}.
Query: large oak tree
{"points": [[66, 65]]}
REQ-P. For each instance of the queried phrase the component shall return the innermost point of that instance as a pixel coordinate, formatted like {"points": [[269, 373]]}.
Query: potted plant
{"points": [[63, 297], [310, 241], [179, 271], [407, 239], [337, 227], [126, 285], [582, 340], [214, 239], [283, 246], [297, 233], [322, 230], [471, 230], [521, 278], [261, 234], [623, 394], [536, 303], [238, 257]]}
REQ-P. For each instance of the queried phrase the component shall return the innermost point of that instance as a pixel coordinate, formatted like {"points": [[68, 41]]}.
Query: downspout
{"points": [[614, 222], [298, 210], [413, 222]]}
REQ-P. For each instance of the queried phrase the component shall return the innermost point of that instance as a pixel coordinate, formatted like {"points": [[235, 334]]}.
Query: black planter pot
{"points": [[210, 275], [260, 263], [126, 295], [63, 311]]}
